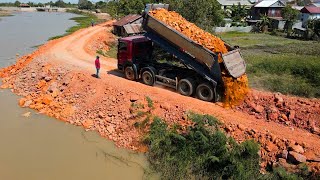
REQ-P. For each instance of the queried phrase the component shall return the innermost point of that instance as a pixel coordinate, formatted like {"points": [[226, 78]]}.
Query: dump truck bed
{"points": [[195, 50]]}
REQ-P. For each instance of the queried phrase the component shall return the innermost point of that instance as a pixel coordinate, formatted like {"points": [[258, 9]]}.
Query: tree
{"points": [[84, 4], [204, 13], [60, 3], [17, 3], [290, 15], [264, 23], [238, 12], [100, 5], [314, 27]]}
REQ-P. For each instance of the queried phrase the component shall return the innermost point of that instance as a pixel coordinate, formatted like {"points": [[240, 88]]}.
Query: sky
{"points": [[44, 1]]}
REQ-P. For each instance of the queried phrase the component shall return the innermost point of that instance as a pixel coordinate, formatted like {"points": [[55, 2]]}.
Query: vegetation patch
{"points": [[205, 152], [280, 64], [112, 52], [202, 152]]}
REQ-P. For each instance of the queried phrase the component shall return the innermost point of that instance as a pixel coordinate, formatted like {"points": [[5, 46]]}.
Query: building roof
{"points": [[297, 7], [311, 10], [127, 19], [235, 2], [315, 4], [24, 5], [133, 28], [135, 38], [270, 3]]}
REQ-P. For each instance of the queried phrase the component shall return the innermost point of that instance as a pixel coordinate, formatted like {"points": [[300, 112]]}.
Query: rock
{"points": [[134, 98], [27, 114], [296, 158], [100, 115], [278, 98], [270, 147], [22, 102], [284, 154], [48, 78], [312, 157], [258, 108], [315, 130], [87, 124], [53, 87], [241, 127], [283, 163], [284, 117], [292, 114], [165, 106], [297, 148], [110, 129], [33, 75], [228, 129], [27, 103], [272, 116]]}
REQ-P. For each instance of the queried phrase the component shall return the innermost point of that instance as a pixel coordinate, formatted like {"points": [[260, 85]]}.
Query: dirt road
{"points": [[57, 80]]}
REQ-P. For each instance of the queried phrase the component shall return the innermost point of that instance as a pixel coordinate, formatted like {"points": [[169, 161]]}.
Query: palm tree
{"points": [[264, 23]]}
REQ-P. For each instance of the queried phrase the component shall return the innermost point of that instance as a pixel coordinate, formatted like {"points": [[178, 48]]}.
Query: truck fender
{"points": [[151, 69]]}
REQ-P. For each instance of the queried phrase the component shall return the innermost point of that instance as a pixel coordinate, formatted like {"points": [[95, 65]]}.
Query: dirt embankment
{"points": [[57, 80]]}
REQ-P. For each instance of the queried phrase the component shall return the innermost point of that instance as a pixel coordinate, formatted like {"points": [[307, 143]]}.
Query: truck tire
{"points": [[129, 73], [147, 78], [186, 86], [205, 92]]}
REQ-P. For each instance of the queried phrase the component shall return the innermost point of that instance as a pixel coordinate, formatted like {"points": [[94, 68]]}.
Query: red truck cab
{"points": [[133, 50]]}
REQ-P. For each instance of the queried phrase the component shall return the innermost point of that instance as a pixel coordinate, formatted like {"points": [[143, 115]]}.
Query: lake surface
{"points": [[43, 148]]}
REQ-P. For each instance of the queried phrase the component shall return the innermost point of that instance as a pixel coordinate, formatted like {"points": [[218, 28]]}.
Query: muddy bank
{"points": [[57, 80]]}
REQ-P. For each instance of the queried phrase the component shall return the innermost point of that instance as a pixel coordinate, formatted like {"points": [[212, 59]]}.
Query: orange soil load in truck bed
{"points": [[234, 89]]}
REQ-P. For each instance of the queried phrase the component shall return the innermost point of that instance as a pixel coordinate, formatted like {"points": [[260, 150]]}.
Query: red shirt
{"points": [[97, 62]]}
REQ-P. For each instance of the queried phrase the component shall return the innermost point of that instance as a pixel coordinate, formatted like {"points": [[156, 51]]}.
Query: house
{"points": [[119, 26], [308, 13], [271, 8], [228, 3], [24, 5]]}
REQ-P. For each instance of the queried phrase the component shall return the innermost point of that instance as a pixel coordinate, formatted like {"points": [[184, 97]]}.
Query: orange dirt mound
{"points": [[235, 89]]}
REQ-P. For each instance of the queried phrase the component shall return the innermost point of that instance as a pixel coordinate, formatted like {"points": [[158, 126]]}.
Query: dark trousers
{"points": [[97, 74]]}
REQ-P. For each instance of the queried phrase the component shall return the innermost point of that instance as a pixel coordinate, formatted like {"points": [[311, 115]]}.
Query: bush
{"points": [[202, 152]]}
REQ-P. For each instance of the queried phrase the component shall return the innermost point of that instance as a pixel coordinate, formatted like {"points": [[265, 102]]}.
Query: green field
{"points": [[279, 64]]}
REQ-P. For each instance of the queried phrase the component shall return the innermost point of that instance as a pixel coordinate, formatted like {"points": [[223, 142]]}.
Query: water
{"points": [[39, 147]]}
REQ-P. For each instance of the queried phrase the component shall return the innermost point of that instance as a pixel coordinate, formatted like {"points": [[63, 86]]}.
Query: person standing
{"points": [[92, 22], [97, 63]]}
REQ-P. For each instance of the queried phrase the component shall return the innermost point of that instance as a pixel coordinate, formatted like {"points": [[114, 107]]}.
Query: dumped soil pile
{"points": [[235, 89], [290, 111]]}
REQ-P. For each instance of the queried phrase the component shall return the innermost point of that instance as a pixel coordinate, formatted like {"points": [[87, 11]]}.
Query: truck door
{"points": [[123, 53]]}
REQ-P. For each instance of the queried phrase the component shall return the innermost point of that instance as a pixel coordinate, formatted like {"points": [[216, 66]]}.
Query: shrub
{"points": [[202, 152]]}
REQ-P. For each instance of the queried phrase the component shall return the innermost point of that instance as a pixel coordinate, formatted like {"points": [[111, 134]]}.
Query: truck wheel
{"points": [[147, 78], [186, 86], [129, 73], [205, 92]]}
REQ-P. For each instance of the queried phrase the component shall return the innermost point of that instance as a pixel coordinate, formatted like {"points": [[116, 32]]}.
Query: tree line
{"points": [[204, 13]]}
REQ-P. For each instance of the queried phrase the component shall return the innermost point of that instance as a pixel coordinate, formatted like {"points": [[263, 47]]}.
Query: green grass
{"points": [[83, 21], [112, 53], [280, 64]]}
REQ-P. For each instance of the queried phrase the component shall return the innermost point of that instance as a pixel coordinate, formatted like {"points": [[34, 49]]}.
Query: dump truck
{"points": [[200, 75]]}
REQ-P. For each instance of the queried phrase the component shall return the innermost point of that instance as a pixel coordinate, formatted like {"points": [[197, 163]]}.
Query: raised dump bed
{"points": [[233, 60]]}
